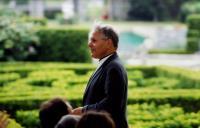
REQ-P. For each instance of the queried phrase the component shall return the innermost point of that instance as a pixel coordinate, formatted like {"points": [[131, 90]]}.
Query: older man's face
{"points": [[98, 45]]}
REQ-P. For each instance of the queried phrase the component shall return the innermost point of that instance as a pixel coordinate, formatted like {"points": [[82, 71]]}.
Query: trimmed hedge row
{"points": [[139, 116], [33, 83], [187, 99], [27, 67], [194, 22], [193, 43], [69, 80], [164, 116], [170, 51], [28, 119], [68, 45], [188, 78], [8, 77], [22, 41]]}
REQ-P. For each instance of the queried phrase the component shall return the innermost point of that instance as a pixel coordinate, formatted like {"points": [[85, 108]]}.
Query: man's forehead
{"points": [[95, 34]]}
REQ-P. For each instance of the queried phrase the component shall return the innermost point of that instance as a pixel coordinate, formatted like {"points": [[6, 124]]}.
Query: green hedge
{"points": [[16, 39], [36, 21], [187, 99], [188, 78], [147, 71], [139, 116], [193, 42], [170, 51], [8, 77], [193, 33], [22, 41], [28, 119], [68, 45], [194, 21], [163, 116], [26, 85]]}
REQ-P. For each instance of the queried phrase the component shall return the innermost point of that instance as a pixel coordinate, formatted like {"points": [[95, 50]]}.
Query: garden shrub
{"points": [[188, 8], [193, 21], [161, 85], [139, 115], [35, 21], [137, 76], [28, 119], [192, 33], [187, 78], [162, 82], [170, 51], [147, 71], [8, 77], [68, 45], [193, 44], [193, 38], [17, 39]]}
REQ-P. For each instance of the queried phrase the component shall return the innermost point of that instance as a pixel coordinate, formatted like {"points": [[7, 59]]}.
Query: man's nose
{"points": [[89, 44]]}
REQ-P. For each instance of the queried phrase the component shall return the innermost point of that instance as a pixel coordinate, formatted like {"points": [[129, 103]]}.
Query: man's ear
{"points": [[110, 44]]}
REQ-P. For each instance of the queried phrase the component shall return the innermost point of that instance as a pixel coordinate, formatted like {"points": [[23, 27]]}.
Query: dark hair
{"points": [[51, 111], [108, 33], [96, 120], [68, 121]]}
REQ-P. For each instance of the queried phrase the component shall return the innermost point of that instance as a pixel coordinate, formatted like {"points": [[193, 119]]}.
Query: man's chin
{"points": [[95, 57]]}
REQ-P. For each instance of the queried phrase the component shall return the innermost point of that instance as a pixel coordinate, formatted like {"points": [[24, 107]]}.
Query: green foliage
{"points": [[68, 45], [193, 22], [25, 38], [187, 78], [27, 85], [137, 76], [193, 43], [170, 51], [147, 71], [163, 116], [17, 38], [35, 21], [7, 122], [187, 99], [139, 115], [162, 82], [8, 77], [193, 33], [28, 119], [188, 8]]}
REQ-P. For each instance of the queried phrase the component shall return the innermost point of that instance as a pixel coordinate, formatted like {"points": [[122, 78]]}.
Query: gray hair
{"points": [[107, 31]]}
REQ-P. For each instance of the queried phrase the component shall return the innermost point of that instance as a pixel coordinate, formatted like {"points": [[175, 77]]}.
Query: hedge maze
{"points": [[164, 97]]}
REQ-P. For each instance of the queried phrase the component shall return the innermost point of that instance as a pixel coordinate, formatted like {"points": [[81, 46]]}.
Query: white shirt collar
{"points": [[103, 60]]}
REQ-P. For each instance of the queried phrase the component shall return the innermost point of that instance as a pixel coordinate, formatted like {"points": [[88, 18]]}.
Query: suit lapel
{"points": [[92, 77], [97, 73]]}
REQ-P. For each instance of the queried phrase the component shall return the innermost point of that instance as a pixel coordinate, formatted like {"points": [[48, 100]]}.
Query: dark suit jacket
{"points": [[107, 91]]}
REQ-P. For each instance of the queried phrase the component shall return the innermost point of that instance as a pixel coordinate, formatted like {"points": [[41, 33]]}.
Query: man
{"points": [[107, 87]]}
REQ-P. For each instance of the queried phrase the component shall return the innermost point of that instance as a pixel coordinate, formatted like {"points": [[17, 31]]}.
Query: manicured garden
{"points": [[161, 96]]}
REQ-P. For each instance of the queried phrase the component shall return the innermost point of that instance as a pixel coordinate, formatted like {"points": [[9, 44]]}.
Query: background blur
{"points": [[147, 29]]}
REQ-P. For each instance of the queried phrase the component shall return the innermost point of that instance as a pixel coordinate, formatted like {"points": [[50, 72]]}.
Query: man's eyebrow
{"points": [[92, 38]]}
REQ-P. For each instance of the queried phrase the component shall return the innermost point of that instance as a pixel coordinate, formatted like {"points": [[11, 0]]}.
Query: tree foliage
{"points": [[17, 37]]}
